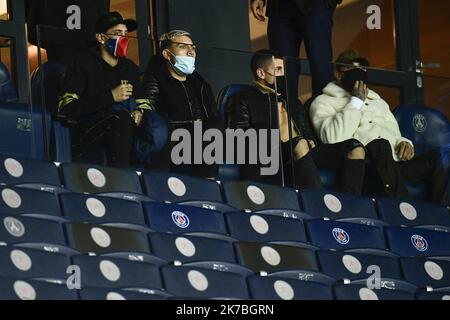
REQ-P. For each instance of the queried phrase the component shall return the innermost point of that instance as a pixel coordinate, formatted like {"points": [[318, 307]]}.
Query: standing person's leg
{"points": [[285, 38], [380, 153], [428, 166], [317, 29], [348, 158]]}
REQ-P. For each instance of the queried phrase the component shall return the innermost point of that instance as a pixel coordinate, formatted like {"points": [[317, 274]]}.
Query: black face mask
{"points": [[281, 87], [351, 76]]}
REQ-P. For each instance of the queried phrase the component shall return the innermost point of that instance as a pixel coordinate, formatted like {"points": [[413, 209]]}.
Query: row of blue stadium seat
{"points": [[173, 219], [113, 278], [83, 207], [137, 270], [225, 197]]}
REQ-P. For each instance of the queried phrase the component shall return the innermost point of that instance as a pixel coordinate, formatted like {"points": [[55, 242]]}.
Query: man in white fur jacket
{"points": [[349, 109]]}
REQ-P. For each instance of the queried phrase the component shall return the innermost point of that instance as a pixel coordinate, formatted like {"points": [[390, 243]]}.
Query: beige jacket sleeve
{"points": [[332, 125]]}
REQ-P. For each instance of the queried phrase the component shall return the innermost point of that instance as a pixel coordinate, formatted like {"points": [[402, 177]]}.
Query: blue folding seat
{"points": [[22, 127], [90, 238], [22, 262], [271, 257], [8, 91], [224, 98], [300, 215], [16, 170], [339, 206], [426, 127], [390, 289], [111, 272], [48, 79], [177, 188], [188, 248], [96, 209], [173, 218], [21, 229], [287, 286], [88, 178], [245, 195], [436, 295], [123, 294], [264, 228], [215, 206], [24, 201], [354, 264], [413, 213], [344, 236], [202, 283], [423, 272], [126, 196], [220, 266], [416, 242], [18, 289]]}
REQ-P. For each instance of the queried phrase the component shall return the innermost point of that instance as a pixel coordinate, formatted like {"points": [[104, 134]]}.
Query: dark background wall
{"points": [[223, 39]]}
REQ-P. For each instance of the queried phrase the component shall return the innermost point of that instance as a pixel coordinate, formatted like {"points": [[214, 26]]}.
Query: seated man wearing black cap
{"points": [[104, 102]]}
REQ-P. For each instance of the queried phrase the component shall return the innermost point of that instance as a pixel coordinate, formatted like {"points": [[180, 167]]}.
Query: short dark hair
{"points": [[349, 57], [262, 59]]}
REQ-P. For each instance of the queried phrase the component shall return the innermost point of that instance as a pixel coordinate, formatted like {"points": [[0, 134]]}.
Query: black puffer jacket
{"points": [[169, 96], [258, 110]]}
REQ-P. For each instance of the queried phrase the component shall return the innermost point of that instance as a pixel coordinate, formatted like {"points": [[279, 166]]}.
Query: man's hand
{"points": [[360, 90], [257, 7], [405, 151], [137, 117], [312, 144], [122, 93]]}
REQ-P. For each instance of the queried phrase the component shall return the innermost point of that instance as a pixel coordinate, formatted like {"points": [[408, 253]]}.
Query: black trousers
{"points": [[394, 174], [163, 160], [314, 29], [113, 133], [333, 157]]}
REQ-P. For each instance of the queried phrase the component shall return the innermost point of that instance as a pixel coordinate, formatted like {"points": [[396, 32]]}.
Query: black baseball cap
{"points": [[112, 19], [351, 56]]}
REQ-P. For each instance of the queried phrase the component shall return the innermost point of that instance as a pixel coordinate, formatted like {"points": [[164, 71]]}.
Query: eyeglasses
{"points": [[185, 46]]}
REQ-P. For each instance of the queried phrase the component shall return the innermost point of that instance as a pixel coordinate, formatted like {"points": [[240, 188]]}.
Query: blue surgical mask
{"points": [[184, 64]]}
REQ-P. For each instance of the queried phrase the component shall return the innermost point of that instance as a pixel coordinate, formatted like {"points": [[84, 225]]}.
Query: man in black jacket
{"points": [[292, 22], [172, 84], [103, 100], [180, 93], [263, 108]]}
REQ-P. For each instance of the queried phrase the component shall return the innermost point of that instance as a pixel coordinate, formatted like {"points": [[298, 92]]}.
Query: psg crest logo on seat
{"points": [[419, 242], [180, 219], [341, 236]]}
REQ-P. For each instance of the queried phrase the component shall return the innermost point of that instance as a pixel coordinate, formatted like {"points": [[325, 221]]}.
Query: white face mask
{"points": [[184, 64]]}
